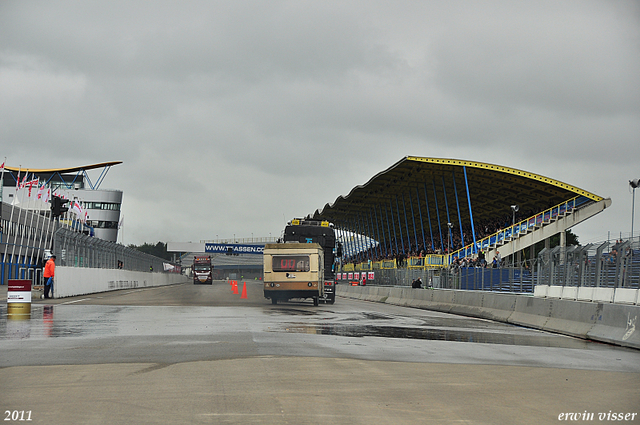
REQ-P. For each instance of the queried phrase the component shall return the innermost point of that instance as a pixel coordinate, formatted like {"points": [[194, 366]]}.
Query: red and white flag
{"points": [[76, 208], [41, 191], [24, 180], [47, 196], [31, 183]]}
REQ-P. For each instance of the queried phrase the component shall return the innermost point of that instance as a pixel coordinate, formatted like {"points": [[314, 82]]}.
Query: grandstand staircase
{"points": [[537, 228]]}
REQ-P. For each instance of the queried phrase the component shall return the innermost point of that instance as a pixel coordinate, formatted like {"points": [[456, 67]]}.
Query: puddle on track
{"points": [[357, 331]]}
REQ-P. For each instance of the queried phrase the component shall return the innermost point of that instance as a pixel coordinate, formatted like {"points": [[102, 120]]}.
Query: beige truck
{"points": [[293, 270]]}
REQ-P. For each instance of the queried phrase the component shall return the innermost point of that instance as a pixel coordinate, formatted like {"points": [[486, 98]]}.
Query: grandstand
{"points": [[426, 212]]}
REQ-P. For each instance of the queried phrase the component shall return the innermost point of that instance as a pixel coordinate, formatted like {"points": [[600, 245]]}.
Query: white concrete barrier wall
{"points": [[72, 281], [625, 296], [603, 295], [540, 291], [585, 293], [554, 291], [569, 293], [606, 322]]}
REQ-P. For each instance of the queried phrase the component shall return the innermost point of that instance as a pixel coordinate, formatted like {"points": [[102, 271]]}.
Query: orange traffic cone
{"points": [[244, 291], [234, 287]]}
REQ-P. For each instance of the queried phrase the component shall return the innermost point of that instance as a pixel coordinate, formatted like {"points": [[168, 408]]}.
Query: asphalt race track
{"points": [[200, 354]]}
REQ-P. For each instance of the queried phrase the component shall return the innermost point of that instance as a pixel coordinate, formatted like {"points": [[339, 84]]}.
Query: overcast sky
{"points": [[232, 117]]}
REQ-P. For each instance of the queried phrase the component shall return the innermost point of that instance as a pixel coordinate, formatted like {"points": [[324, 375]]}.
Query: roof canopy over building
{"points": [[418, 195], [57, 175]]}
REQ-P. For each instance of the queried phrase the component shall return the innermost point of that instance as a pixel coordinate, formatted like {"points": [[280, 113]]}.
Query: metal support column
{"points": [[446, 204], [435, 195], [376, 237], [399, 225], [421, 221], [367, 240], [455, 190], [388, 230], [395, 237], [473, 230], [426, 202], [352, 241], [382, 240], [360, 241], [413, 217], [406, 224]]}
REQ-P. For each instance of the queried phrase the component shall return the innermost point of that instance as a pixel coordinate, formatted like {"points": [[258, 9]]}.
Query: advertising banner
{"points": [[233, 249]]}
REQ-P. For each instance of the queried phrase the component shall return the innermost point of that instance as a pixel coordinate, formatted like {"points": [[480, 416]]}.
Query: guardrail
{"points": [[427, 262]]}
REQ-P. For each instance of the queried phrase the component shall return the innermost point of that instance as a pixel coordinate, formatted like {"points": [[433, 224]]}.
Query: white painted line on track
{"points": [[75, 301]]}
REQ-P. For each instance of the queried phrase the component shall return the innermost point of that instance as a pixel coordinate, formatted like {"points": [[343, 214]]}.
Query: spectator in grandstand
{"points": [[417, 283], [481, 258], [613, 255], [497, 259]]}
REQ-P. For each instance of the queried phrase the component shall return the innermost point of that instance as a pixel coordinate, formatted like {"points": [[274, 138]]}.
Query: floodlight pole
{"points": [[634, 184], [514, 209]]}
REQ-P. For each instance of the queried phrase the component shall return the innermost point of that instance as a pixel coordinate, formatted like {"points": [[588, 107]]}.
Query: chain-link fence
{"points": [[405, 276], [607, 264], [74, 249]]}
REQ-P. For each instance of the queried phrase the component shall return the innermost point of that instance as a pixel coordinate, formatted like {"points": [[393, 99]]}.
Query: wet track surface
{"points": [[202, 354], [157, 324]]}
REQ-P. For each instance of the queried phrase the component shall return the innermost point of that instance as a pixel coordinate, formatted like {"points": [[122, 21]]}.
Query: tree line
{"points": [[158, 250]]}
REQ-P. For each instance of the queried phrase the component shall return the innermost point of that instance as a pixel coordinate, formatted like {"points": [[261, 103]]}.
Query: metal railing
{"points": [[74, 249], [520, 278], [251, 240], [607, 265], [523, 227]]}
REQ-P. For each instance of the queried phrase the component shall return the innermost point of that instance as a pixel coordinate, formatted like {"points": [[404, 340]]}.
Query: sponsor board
{"points": [[233, 248]]}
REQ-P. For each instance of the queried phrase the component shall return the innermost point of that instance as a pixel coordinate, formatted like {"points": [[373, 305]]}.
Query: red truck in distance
{"points": [[202, 270]]}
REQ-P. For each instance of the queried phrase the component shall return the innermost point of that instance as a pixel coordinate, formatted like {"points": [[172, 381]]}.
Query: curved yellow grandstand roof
{"points": [[65, 170], [414, 185]]}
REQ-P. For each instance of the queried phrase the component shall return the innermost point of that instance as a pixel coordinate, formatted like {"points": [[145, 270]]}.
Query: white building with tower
{"points": [[102, 206]]}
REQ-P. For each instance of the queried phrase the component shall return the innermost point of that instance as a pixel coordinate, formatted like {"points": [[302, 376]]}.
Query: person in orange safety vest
{"points": [[49, 273]]}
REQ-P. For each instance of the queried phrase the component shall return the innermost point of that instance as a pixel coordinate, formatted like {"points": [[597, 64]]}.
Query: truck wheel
{"points": [[315, 301], [331, 299], [274, 301]]}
